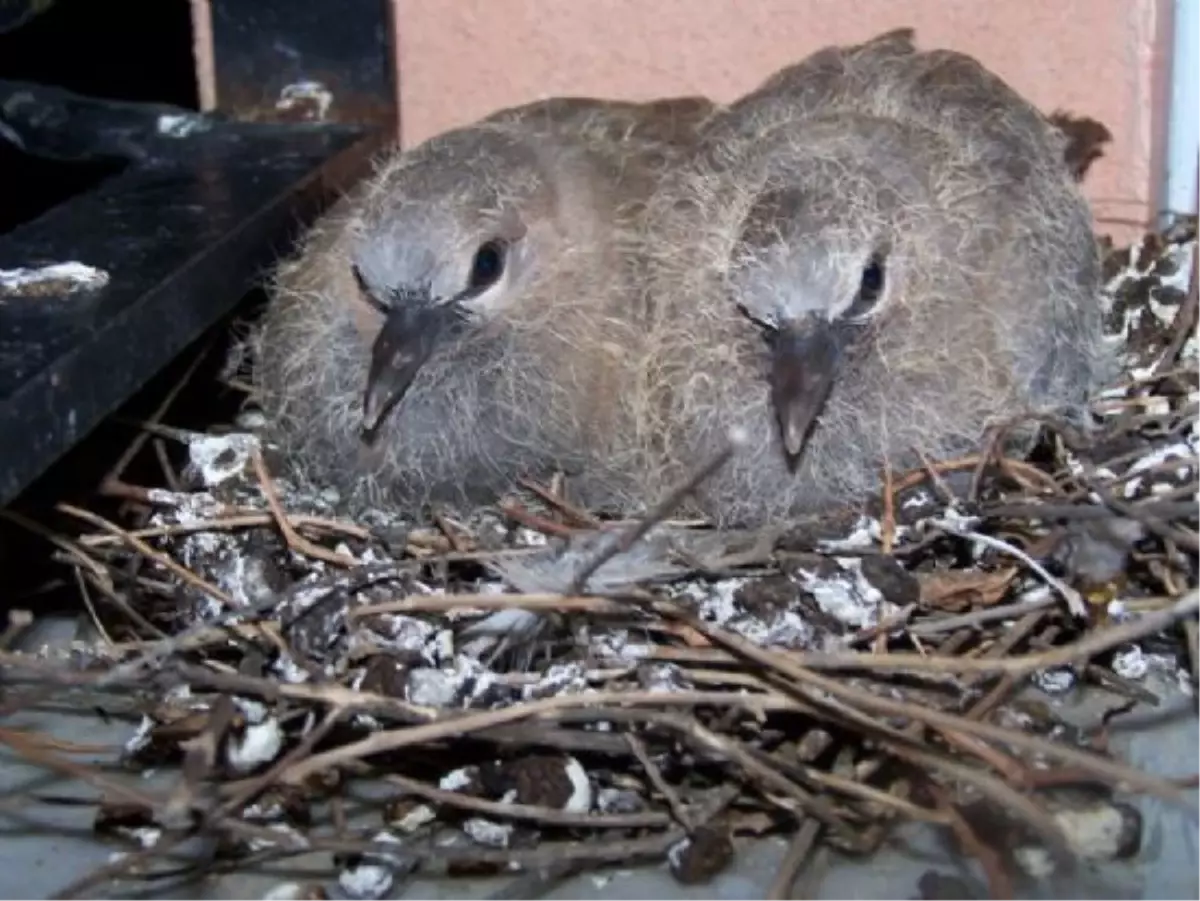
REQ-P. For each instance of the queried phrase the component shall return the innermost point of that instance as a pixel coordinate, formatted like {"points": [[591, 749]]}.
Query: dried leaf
{"points": [[958, 590], [113, 816]]}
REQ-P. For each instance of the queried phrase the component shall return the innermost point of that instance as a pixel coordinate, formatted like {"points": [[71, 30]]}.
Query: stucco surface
{"points": [[1105, 58]]}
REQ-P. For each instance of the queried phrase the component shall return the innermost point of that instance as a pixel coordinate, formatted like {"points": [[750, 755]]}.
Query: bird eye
{"points": [[488, 266], [869, 289]]}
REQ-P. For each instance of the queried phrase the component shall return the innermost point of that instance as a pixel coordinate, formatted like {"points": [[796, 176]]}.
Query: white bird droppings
{"points": [[57, 278]]}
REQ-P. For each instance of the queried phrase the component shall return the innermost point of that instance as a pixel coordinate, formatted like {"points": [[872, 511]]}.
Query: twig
{"points": [[592, 850], [816, 689], [73, 550], [940, 488], [35, 750], [999, 883], [1163, 529], [972, 461], [1082, 512], [157, 556], [390, 740], [439, 603], [798, 853], [38, 740], [121, 602], [656, 778], [733, 751], [295, 541], [170, 840], [249, 790], [200, 756], [457, 543], [112, 483], [580, 517], [887, 530], [984, 615], [630, 536], [86, 596], [531, 520], [892, 623], [361, 577], [233, 521], [1088, 646], [545, 815], [117, 868], [853, 786], [1075, 602], [898, 661], [1192, 642]]}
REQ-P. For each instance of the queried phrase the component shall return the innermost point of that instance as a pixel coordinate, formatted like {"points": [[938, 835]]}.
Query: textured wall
{"points": [[460, 59]]}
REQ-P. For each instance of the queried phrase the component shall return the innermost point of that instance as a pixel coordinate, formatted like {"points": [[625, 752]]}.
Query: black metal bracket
{"points": [[202, 207]]}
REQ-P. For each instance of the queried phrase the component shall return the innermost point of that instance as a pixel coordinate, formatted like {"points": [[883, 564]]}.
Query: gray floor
{"points": [[45, 847]]}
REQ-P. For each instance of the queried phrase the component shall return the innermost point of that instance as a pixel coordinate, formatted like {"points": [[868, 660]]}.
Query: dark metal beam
{"points": [[183, 236], [199, 208]]}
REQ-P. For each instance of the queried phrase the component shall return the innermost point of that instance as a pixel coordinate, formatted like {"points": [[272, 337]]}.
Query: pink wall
{"points": [[460, 59]]}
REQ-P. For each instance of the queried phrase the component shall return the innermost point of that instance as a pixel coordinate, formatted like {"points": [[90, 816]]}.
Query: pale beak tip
{"points": [[369, 422], [793, 440]]}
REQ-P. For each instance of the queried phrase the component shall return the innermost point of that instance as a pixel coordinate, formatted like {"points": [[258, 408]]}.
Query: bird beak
{"points": [[806, 358], [410, 334]]}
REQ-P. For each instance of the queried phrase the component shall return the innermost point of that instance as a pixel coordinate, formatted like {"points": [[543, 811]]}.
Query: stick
{"points": [[798, 853], [1075, 602], [656, 778], [295, 541], [664, 508]]}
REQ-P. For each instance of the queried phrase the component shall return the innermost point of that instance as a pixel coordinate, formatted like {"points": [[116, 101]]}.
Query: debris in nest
{"points": [[542, 780], [1145, 288], [965, 589], [55, 280], [1090, 827], [464, 779], [1130, 663], [373, 874], [296, 891], [278, 652], [131, 822], [408, 815], [1094, 829], [486, 832], [258, 745], [702, 855]]}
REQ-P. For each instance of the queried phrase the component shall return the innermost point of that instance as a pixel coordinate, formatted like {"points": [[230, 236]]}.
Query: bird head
{"points": [[814, 267], [448, 246]]}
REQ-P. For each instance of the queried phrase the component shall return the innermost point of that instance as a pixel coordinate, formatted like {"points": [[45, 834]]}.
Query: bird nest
{"points": [[684, 690]]}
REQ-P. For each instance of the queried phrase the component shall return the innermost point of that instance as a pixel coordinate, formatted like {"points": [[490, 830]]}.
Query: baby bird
{"points": [[887, 76], [873, 258], [464, 316], [666, 127]]}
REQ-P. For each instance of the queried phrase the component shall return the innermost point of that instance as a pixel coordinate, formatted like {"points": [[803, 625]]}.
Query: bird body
{"points": [[465, 315], [867, 261], [887, 76], [870, 260], [665, 127]]}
